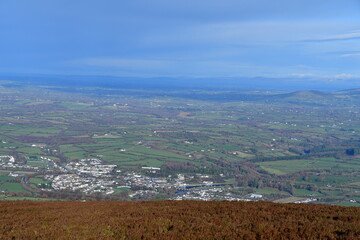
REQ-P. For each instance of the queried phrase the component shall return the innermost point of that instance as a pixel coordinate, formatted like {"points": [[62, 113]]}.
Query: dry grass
{"points": [[176, 220]]}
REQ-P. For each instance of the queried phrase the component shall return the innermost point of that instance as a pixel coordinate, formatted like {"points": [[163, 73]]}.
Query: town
{"points": [[91, 176]]}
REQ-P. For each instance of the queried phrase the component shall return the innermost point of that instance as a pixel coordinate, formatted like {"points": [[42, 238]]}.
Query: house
{"points": [[255, 196]]}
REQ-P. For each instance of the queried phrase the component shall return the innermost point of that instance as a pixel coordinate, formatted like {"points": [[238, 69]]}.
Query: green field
{"points": [[277, 144], [12, 187]]}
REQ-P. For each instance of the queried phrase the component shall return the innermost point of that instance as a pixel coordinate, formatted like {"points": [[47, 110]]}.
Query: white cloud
{"points": [[302, 75], [338, 37], [345, 76], [106, 62], [355, 54]]}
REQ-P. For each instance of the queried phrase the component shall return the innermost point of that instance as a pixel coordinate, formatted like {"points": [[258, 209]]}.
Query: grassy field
{"points": [[12, 187], [284, 167], [190, 136]]}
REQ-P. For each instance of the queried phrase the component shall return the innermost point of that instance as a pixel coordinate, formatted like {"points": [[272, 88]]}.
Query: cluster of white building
{"points": [[308, 200], [209, 194], [91, 176], [86, 175], [133, 178], [9, 162], [92, 167], [141, 193], [75, 182]]}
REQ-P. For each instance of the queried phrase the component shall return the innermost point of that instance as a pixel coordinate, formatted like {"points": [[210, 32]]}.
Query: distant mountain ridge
{"points": [[355, 91], [306, 94], [200, 89]]}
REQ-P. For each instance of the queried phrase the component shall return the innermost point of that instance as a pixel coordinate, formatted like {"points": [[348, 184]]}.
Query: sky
{"points": [[182, 38]]}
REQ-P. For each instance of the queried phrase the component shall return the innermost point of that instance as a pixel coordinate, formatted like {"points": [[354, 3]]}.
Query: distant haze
{"points": [[185, 83]]}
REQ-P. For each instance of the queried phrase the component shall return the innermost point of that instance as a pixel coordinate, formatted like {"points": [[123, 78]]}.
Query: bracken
{"points": [[176, 220]]}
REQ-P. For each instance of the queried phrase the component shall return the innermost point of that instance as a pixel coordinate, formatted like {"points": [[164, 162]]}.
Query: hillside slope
{"points": [[176, 220]]}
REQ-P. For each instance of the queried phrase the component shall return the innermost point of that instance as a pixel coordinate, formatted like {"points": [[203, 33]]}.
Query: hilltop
{"points": [[176, 220], [351, 92]]}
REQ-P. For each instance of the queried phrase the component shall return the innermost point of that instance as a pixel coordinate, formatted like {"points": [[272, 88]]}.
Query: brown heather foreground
{"points": [[176, 220]]}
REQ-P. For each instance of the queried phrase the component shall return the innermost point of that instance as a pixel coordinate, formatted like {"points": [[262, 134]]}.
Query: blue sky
{"points": [[192, 38]]}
